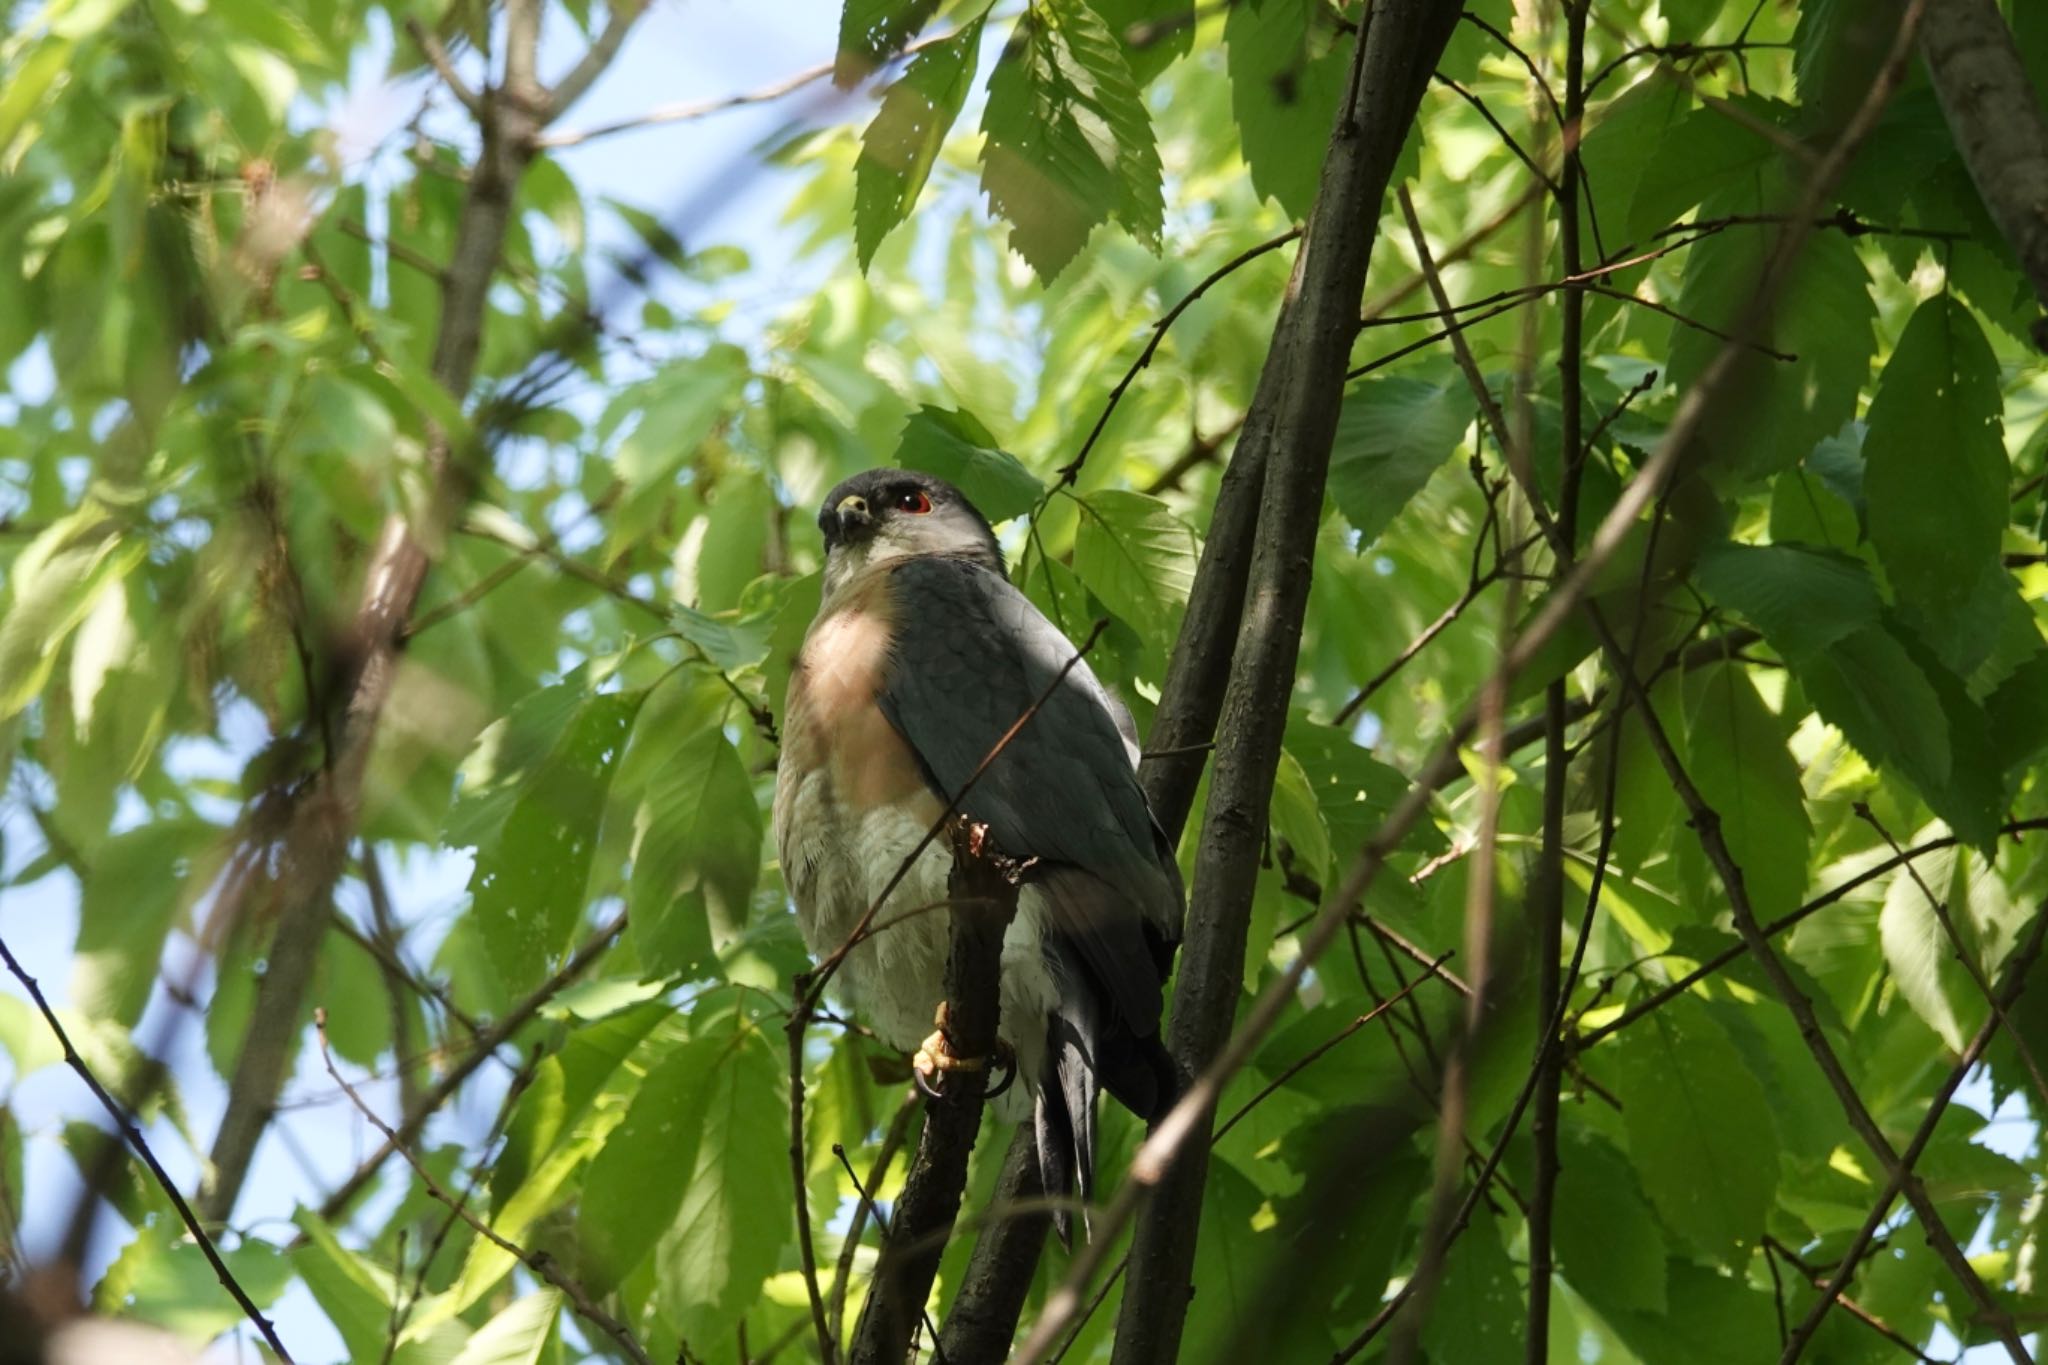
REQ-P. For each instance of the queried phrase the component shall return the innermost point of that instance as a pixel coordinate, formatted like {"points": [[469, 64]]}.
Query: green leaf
{"points": [[959, 449], [1153, 33], [355, 1296], [1236, 1248], [1608, 1243], [730, 644], [1769, 413], [1867, 686], [1298, 818], [696, 856], [873, 31], [720, 1249], [1936, 476], [1695, 156], [563, 1089], [1138, 557], [904, 137], [1392, 435], [506, 758], [516, 1336], [527, 887], [164, 1278], [1923, 958], [1743, 770], [1477, 1315], [130, 896], [2019, 711], [1714, 1318], [1802, 599], [1699, 1129], [1288, 66], [1069, 142], [26, 1036], [51, 586], [678, 409]]}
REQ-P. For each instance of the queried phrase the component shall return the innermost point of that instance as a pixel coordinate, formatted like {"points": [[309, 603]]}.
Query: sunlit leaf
{"points": [[1070, 143]]}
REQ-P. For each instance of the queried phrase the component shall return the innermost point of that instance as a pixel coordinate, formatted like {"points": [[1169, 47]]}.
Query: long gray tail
{"points": [[1085, 1054]]}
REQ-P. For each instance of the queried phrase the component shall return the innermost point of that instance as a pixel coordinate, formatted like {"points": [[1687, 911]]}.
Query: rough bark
{"points": [[1288, 431], [1996, 118], [984, 900], [984, 1317]]}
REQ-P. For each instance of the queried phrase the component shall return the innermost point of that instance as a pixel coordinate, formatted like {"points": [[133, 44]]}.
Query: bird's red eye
{"points": [[913, 500]]}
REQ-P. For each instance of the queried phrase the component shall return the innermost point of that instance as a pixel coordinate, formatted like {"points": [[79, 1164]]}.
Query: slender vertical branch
{"points": [[1547, 900], [1289, 429], [983, 891]]}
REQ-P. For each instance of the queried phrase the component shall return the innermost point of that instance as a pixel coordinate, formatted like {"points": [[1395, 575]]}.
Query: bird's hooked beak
{"points": [[848, 521]]}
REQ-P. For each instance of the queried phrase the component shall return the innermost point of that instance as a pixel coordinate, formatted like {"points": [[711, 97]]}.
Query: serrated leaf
{"points": [[959, 449], [903, 139], [1137, 556], [1069, 142], [1802, 599], [696, 856], [506, 757], [526, 892], [1392, 435], [1867, 686], [1743, 770], [1700, 1129], [163, 1277], [1288, 65], [1935, 477], [713, 1259], [873, 31], [1771, 412]]}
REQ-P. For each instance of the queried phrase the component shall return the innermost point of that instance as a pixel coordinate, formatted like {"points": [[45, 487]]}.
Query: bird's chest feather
{"points": [[847, 783]]}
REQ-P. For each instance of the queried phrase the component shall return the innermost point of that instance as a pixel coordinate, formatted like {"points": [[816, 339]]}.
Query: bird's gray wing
{"points": [[969, 656]]}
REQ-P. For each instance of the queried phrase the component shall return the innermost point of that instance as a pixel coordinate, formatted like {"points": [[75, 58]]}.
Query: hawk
{"points": [[921, 657]]}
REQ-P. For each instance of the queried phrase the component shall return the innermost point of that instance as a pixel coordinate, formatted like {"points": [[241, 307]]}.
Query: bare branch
{"points": [[595, 58], [444, 66]]}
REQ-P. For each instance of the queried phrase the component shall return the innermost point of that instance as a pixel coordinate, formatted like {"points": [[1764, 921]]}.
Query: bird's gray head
{"points": [[888, 514]]}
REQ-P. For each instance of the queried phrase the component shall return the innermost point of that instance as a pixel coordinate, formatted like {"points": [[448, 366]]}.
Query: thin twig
{"points": [[487, 1043], [1072, 469], [539, 1262], [1963, 955], [444, 66], [1860, 1245], [132, 1134]]}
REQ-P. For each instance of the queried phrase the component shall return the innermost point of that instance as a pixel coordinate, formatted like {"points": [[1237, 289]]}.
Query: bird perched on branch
{"points": [[921, 659]]}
